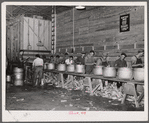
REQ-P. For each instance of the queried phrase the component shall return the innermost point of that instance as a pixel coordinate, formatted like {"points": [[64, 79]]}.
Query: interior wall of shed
{"points": [[97, 28]]}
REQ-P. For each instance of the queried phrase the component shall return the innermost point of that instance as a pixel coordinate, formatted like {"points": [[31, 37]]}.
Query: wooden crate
{"points": [[25, 34]]}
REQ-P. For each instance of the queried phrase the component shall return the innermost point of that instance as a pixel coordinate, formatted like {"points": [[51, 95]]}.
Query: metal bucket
{"points": [[18, 82], [61, 67], [125, 73], [51, 66], [98, 70], [8, 81], [8, 78], [18, 70], [80, 69], [109, 72], [18, 76], [70, 68], [138, 74]]}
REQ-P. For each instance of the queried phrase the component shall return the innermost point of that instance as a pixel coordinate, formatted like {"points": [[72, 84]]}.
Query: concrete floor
{"points": [[58, 99]]}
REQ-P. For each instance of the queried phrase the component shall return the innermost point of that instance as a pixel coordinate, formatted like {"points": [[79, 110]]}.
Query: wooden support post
{"points": [[70, 79], [141, 96], [136, 102], [130, 89], [90, 85], [44, 79], [59, 80], [100, 84], [62, 79], [124, 98], [59, 77], [97, 86]]}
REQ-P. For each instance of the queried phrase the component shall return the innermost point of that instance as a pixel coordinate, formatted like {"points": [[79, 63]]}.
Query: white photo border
{"points": [[35, 116]]}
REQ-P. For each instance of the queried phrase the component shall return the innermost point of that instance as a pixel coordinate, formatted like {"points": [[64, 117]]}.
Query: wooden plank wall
{"points": [[8, 42], [98, 28], [12, 41]]}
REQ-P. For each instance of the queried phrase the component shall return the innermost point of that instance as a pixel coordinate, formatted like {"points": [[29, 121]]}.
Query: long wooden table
{"points": [[129, 88]]}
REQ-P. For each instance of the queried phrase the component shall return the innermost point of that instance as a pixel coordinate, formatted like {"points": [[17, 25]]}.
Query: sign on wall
{"points": [[124, 23]]}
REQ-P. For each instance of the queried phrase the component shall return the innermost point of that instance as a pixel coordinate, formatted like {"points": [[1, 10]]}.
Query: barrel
{"points": [[125, 73], [18, 76], [61, 67], [138, 74], [80, 69], [70, 68], [51, 66], [109, 72], [98, 70]]}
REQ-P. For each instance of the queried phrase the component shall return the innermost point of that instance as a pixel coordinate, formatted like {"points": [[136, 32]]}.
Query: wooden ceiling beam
{"points": [[41, 9], [31, 9], [44, 11], [24, 9], [9, 13], [18, 10], [32, 12], [15, 8], [34, 8]]}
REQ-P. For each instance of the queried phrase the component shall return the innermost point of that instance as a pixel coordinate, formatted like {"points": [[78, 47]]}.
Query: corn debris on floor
{"points": [[57, 99]]}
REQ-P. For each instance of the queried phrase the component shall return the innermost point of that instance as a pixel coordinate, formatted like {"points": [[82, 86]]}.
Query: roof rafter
{"points": [[32, 11]]}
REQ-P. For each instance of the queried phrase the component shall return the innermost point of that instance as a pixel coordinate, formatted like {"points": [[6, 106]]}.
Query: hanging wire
{"points": [[73, 30]]}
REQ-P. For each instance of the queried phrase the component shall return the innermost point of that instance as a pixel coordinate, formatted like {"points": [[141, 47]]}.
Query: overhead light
{"points": [[80, 7]]}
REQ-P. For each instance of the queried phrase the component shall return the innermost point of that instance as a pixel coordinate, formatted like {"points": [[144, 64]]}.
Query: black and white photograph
{"points": [[74, 61]]}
